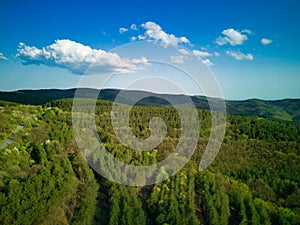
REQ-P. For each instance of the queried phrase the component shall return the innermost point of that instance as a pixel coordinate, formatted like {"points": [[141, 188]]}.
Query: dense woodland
{"points": [[44, 178], [285, 109]]}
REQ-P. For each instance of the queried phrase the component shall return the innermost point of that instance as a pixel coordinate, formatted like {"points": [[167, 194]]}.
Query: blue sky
{"points": [[252, 47]]}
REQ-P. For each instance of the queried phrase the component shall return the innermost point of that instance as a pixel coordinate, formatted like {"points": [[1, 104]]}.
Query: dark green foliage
{"points": [[45, 180], [38, 182], [262, 129], [212, 195], [125, 206], [286, 109]]}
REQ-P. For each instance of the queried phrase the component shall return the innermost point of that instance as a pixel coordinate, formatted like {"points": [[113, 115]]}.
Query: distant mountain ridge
{"points": [[286, 109]]}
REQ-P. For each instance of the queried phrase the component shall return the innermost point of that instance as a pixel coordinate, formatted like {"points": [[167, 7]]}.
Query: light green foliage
{"points": [[45, 180], [173, 201], [38, 182]]}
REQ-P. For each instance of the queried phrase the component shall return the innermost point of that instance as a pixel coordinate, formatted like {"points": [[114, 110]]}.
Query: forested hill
{"points": [[286, 109], [44, 179]]}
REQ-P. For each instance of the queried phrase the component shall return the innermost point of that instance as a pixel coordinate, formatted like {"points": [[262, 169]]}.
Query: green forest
{"points": [[44, 178]]}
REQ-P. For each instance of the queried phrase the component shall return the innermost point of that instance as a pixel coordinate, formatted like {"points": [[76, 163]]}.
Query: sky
{"points": [[251, 47]]}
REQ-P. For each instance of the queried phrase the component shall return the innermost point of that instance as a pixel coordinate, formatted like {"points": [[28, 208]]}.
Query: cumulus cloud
{"points": [[141, 37], [77, 57], [133, 39], [266, 41], [179, 59], [133, 27], [246, 31], [232, 37], [155, 32], [123, 30], [239, 55], [207, 62], [183, 51], [2, 57], [201, 53]]}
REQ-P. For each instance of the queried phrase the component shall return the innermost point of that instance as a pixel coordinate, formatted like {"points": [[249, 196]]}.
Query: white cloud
{"points": [[141, 37], [232, 37], [183, 51], [123, 30], [217, 54], [2, 57], [133, 27], [77, 57], [133, 39], [155, 32], [207, 62], [179, 59], [239, 55], [201, 53], [247, 31], [266, 41]]}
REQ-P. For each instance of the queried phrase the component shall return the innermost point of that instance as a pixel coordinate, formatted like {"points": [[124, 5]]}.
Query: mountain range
{"points": [[285, 109]]}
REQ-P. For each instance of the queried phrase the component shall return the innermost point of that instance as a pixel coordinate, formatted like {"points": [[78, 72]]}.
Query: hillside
{"points": [[44, 179], [286, 109]]}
